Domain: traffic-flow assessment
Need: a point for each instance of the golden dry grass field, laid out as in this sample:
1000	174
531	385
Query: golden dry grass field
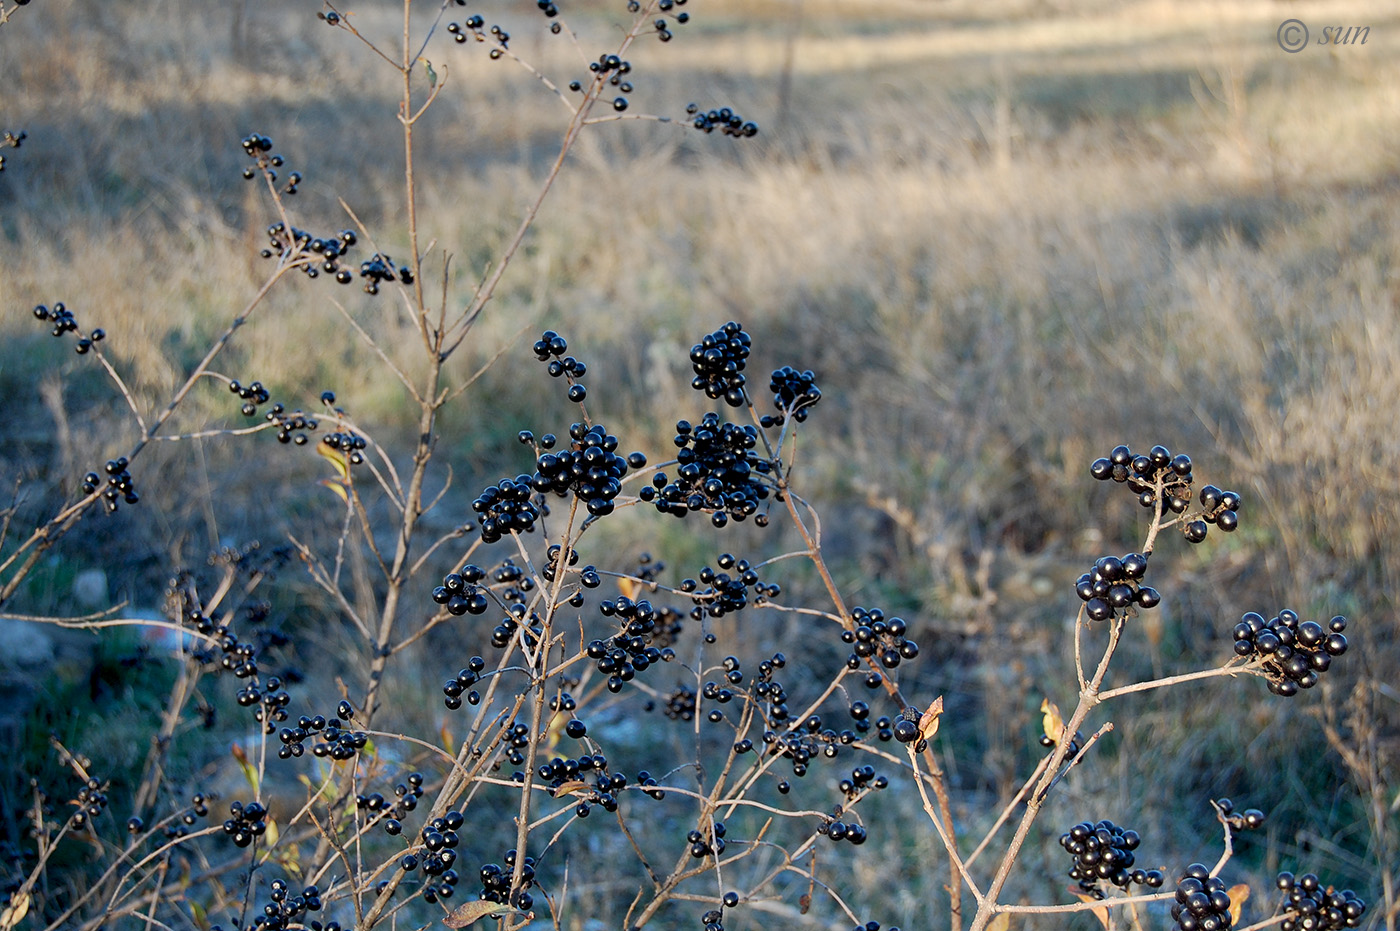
1006	236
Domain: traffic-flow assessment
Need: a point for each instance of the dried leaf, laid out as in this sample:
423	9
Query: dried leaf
335	486
554	731
445	738
576	787
629	588
250	772
928	723
1001	922
1050	721
14	912
1239	894
1100	913
469	912
336	458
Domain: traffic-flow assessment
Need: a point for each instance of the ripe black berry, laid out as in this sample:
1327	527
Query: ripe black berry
718	361
1293	653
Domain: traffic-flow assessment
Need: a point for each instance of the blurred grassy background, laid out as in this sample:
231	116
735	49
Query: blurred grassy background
1006	235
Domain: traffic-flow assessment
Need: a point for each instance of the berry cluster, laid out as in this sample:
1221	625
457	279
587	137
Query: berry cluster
681	704
630	650
663	28
610	68
119	484
439	841
406	796
506	507
861	779
1218	507
874	636
252	394
90	802
1312	907
872	926
1202	904
550	348
718	472
724	119
272	701
811	738
379	268
64	322
257	147
1251	819
286	910
476	25
794	394
461	592
726	593
504	633
12	139
291	427
1293	653
199	808
718	361
590	468
330	735
1143	474
465	679
1103	850
603	790
443	888
1159	474
707	843
348	442
495	882
245	822
1113	587
835	829
283	242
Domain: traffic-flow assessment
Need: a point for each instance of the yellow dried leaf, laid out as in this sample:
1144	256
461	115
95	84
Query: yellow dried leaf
1100	913
1001	922
445	738
1239	894
337	487
469	912
250	772
554	730
928	722
629	588
14	912
339	460
576	787
1050	721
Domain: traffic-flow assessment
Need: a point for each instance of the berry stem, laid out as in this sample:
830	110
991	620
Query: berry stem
1088	698
1227	670
940	788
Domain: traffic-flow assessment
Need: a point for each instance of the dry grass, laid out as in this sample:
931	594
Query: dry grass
1006	237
